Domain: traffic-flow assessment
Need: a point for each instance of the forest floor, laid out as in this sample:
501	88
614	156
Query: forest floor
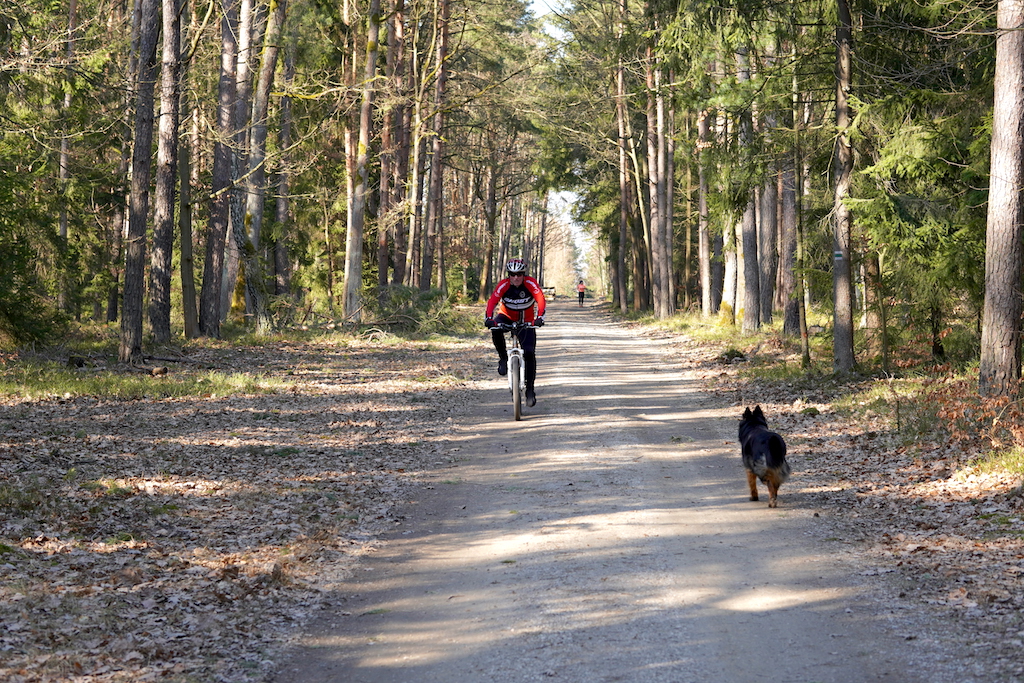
190	539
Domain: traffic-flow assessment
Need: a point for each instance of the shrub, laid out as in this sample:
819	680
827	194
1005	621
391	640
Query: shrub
26	317
409	310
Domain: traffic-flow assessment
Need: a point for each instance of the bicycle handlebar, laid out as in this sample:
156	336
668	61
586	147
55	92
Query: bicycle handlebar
513	327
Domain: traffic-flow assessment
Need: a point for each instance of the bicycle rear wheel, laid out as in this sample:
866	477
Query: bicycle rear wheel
515	372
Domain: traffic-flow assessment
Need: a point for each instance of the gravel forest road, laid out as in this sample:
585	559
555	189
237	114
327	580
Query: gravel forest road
608	536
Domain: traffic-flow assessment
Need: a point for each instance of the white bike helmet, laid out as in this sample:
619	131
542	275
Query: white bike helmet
516	266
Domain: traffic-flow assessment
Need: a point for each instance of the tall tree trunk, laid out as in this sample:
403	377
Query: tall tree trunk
720	238
63	160
328	251
390	242
625	194
542	231
282	210
751	266
640	227
801	288
119	219
166	176
768	208
403	121
248	233
239	158
65	139
655	185
690	195
115	266
386	205
354	241
785	298
213	267
639	223
749	271
188	176
130	348
441	267
415	194
875	307
668	155
799	177
661	226
1000	368
874	297
435	198
707	307
491	220
641	261
842	277
186	170
730	279
787	250
767	244
687	281
717	269
257	174
506	237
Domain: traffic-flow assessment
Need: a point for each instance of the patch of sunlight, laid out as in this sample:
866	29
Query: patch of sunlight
771	598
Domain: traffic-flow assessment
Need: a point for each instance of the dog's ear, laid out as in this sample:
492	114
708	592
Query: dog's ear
757	412
747	414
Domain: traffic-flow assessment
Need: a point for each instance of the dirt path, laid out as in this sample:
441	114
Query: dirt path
606	537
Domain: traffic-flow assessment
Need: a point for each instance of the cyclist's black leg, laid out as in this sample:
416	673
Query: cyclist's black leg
499	344
528	339
531	378
498	337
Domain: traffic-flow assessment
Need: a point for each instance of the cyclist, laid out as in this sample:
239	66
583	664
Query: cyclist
582	289
517	298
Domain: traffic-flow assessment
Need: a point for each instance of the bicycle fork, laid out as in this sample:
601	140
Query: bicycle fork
516	359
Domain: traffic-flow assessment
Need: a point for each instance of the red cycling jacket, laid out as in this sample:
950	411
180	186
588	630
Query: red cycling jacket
517	303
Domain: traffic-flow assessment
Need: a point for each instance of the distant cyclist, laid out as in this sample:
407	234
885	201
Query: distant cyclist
582	289
517	298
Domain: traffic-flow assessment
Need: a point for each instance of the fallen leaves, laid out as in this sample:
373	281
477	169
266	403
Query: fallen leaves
184	538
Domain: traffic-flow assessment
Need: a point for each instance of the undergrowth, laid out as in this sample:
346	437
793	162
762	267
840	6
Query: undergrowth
946	409
925	403
39	380
84	362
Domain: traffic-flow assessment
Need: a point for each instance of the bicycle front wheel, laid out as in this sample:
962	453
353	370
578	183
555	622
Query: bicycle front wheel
515	373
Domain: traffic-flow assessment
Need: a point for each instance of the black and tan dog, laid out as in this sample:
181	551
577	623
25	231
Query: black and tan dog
764	454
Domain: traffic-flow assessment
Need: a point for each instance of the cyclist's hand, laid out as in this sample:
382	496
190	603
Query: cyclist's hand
539	322
488	322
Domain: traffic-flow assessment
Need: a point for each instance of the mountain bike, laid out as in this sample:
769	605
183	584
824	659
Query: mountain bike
516	366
